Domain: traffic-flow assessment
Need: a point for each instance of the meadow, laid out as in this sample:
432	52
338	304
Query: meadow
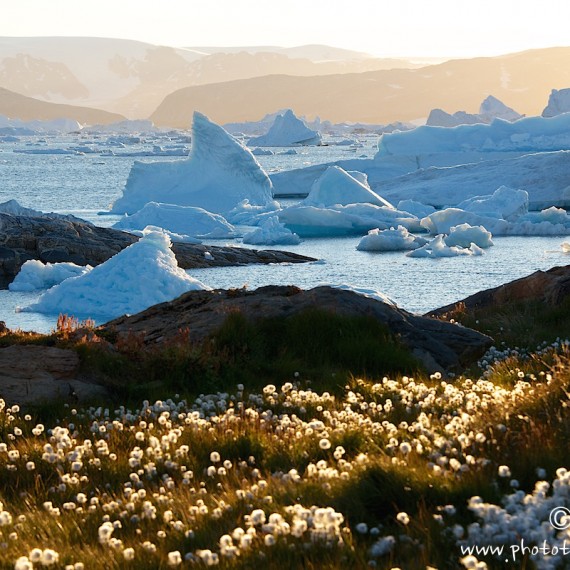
313	467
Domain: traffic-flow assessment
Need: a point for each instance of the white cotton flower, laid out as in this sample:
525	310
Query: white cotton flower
49	557
174	558
504	471
215	457
23	563
129	554
257	517
403	518
324	443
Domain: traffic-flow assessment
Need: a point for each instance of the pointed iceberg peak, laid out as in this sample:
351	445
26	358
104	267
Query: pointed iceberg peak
336	186
287	130
492	108
218	174
558	103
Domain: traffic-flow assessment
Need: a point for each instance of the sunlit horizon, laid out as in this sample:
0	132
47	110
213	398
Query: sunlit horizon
411	29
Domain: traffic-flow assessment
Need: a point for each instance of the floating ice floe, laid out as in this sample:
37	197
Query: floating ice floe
35	275
218	174
398	239
551	221
464	235
182	220
13	208
271	232
143	274
287	130
438	248
352	219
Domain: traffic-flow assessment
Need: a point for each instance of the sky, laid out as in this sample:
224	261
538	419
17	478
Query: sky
412	28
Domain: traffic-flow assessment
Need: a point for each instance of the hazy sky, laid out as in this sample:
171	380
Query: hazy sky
381	27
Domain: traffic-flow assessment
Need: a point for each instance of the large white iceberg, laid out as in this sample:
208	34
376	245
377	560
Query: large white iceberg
183	220
218	174
143	274
337	186
271	232
287	130
393	239
558	103
35	275
544	176
484	157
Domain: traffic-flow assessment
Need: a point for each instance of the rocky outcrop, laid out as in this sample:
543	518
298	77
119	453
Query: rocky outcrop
54	240
550	287
39	374
439	345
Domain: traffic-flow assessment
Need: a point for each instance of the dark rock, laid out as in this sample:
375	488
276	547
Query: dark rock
438	344
36	374
550	287
55	240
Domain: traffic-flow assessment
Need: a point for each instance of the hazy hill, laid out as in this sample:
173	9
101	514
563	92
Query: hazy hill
522	81
16	106
132	78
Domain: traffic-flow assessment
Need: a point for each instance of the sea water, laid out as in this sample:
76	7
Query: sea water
85	184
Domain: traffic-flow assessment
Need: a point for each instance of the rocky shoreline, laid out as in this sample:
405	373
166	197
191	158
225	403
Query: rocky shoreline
56	240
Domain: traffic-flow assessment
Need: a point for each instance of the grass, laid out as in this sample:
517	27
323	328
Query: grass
322	348
522	323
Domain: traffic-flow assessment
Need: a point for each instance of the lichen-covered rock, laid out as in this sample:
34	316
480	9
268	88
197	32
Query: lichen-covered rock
438	345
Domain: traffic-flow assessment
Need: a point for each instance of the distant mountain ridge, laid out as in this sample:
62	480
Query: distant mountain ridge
522	81
132	78
17	106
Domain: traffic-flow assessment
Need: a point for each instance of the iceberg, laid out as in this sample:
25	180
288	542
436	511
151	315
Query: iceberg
438	248
218	174
143	274
35	275
415	208
444	166
552	221
464	235
352	219
491	108
505	203
182	220
337	186
544	176
398	239
271	232
287	130
13	208
558	103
